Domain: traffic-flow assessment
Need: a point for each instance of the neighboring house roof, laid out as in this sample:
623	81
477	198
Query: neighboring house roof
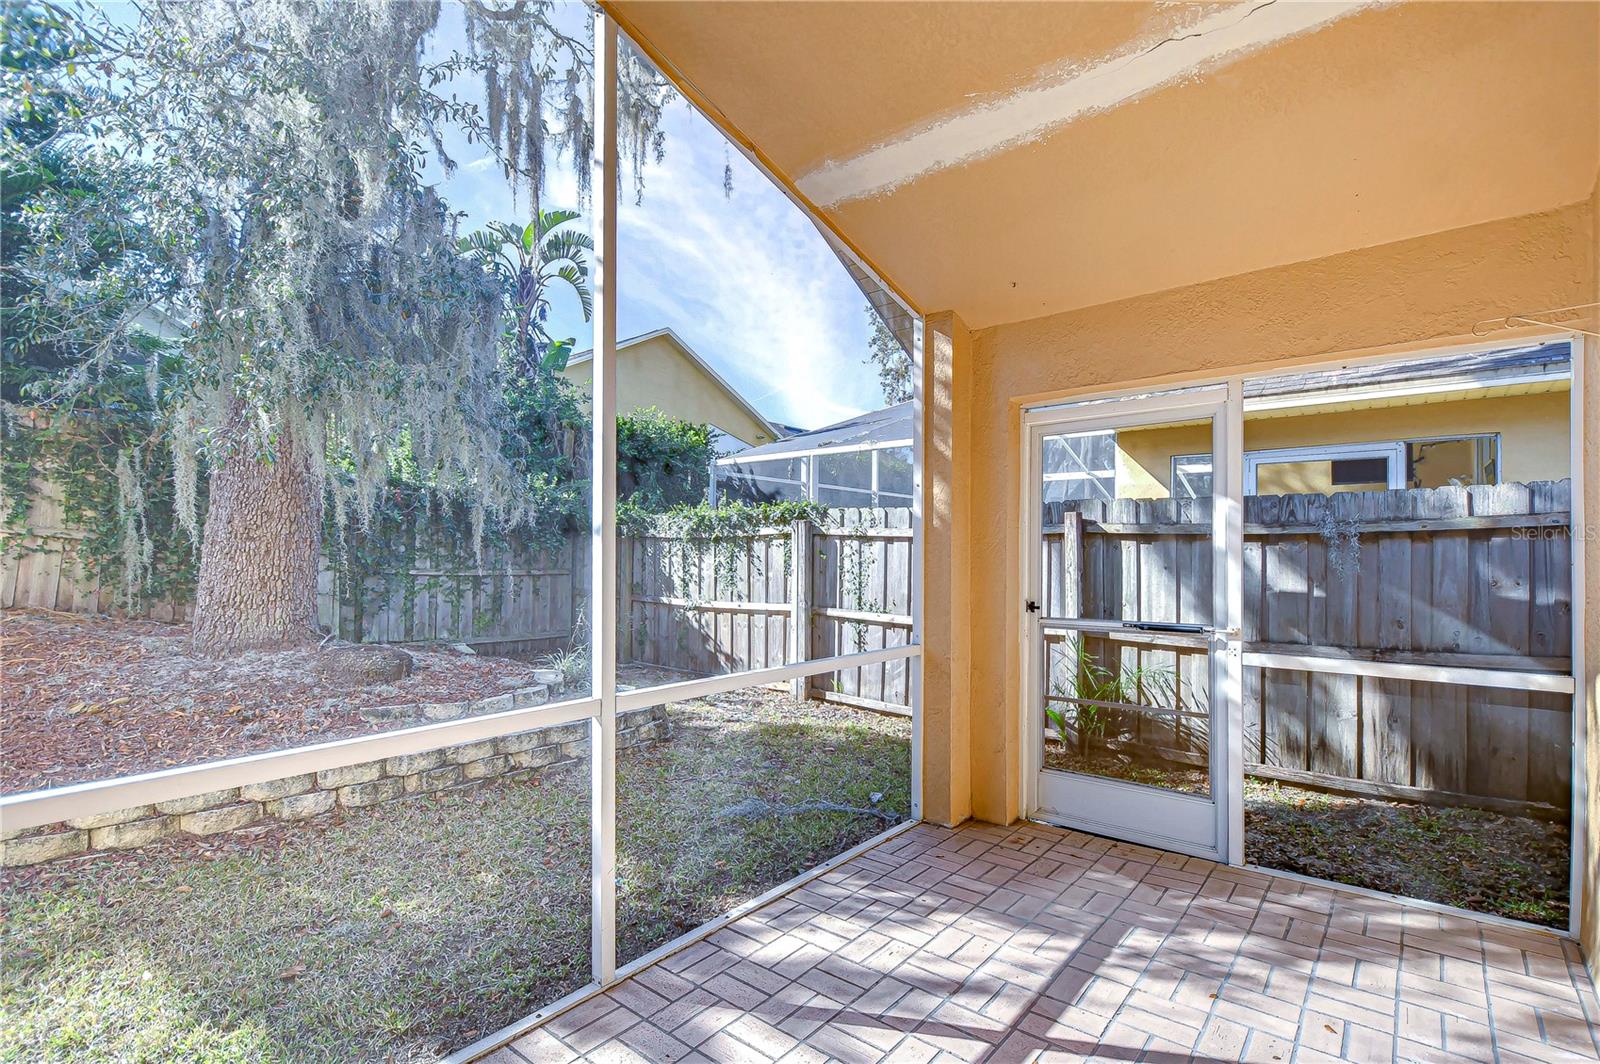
587	355
1509	366
889	427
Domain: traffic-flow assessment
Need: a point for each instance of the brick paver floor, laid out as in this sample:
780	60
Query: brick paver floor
1033	943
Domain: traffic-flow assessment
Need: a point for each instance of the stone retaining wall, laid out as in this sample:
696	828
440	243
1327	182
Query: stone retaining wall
351	787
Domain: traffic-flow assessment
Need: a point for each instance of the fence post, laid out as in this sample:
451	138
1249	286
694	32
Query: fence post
800	601
625	600
1071	564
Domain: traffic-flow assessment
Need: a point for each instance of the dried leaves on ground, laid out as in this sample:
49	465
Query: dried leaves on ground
88	697
1488	862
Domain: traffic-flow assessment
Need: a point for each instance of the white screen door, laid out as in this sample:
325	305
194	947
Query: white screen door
1130	632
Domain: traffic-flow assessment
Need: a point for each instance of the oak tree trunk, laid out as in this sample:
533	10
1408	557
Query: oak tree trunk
259	553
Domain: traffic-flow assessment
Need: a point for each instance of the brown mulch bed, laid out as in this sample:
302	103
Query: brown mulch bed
1100	762
86	697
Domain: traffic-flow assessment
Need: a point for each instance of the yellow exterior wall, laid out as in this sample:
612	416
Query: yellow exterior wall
947	737
1532	428
656	372
1409	295
1588	701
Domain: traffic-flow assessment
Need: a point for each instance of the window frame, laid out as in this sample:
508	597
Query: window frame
1311	453
1394	452
1190	459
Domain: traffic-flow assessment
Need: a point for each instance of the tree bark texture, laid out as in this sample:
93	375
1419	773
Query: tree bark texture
259	553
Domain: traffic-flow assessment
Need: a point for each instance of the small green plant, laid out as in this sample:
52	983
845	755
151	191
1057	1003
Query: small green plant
572	663
1084	678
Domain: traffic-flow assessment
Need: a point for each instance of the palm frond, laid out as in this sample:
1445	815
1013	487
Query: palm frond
550	219
566	244
580	284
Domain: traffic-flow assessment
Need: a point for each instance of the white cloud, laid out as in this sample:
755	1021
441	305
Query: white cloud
746	280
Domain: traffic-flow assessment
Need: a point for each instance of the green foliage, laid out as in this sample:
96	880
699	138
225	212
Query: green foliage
662	461
250	179
892	360
729	520
1084	676
548	440
528	260
84	435
309	272
78	449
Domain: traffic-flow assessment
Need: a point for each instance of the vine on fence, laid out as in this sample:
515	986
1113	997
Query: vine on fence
113	472
856	578
690	527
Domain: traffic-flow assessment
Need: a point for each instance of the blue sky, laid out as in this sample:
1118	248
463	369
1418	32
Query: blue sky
745	280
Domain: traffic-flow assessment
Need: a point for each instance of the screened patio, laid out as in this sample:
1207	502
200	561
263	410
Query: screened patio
1089	361
862	461
1034	943
1202	664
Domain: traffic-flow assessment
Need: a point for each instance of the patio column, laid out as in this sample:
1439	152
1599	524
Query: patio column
1586	435
946	638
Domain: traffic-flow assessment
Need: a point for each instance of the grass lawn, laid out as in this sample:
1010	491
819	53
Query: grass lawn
410	929
1514	866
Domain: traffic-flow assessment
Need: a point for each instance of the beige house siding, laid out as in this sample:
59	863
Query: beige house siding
657	370
1532	428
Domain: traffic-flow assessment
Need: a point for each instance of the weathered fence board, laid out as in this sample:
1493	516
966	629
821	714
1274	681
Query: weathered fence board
718	605
1471	577
526	598
44	569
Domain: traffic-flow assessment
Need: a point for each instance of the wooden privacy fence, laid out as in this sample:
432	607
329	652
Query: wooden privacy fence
44	568
777	596
520	600
1474	577
704	606
517	600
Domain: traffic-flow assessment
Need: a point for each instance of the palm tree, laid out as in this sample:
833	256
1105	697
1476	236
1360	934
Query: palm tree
528	260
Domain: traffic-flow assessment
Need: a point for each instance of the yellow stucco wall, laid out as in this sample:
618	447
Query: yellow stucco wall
1532	428
1412	295
947	574
1589	870
656	372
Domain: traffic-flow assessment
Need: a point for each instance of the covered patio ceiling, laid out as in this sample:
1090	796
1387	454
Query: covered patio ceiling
1012	160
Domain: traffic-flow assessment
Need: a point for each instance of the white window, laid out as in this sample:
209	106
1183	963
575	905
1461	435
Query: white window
1325	469
1191	476
1422	462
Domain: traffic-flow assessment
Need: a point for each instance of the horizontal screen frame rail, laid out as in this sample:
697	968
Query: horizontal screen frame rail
32	809
1505	679
646	697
